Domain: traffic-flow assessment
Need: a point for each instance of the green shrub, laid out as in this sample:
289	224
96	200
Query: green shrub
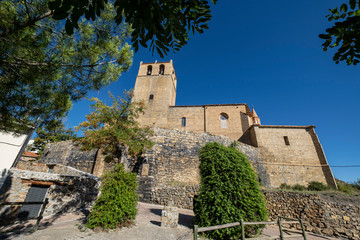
298	187
116	206
345	187
356	184
317	186
229	192
349	188
285	186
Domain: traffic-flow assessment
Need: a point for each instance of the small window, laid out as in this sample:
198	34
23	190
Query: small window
286	139
149	70
223	120
151	97
162	69
183	122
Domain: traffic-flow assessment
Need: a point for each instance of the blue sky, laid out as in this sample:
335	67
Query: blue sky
266	54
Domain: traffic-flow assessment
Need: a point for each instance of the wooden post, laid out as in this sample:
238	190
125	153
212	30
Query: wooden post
41	214
195	232
242	229
302	228
280	229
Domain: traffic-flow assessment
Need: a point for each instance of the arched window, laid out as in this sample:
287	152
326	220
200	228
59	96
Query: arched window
162	69
149	70
183	122
151	97
223	120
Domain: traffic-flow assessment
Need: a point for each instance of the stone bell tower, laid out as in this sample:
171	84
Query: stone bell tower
156	86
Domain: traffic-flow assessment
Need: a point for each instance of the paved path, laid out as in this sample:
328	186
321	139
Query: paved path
147	226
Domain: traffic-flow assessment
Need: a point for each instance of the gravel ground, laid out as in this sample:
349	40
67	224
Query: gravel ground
147	226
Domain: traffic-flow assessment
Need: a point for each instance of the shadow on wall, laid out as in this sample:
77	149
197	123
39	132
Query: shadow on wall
185	220
8	214
76	194
4	195
25	228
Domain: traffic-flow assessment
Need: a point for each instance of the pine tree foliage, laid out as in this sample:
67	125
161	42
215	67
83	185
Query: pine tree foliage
54	132
229	191
43	69
116	205
112	127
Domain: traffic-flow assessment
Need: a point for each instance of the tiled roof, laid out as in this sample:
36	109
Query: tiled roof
30	154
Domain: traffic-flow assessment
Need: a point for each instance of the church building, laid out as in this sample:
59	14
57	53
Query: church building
296	146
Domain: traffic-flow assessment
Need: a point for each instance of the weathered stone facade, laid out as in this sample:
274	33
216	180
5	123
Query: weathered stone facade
172	172
69	191
301	157
68	153
319	216
174	159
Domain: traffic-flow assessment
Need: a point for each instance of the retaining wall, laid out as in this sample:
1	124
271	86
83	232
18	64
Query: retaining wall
320	216
66	193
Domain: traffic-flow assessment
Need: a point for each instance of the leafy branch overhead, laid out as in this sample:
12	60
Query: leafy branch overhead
163	24
345	33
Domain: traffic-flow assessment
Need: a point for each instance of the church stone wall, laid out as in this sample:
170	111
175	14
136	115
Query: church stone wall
162	88
158	91
194	118
236	124
156	108
296	162
172	172
207	119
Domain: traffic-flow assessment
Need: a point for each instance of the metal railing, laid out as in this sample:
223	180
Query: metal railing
39	217
242	224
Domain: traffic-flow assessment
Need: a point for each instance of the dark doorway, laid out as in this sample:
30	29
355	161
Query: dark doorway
36	193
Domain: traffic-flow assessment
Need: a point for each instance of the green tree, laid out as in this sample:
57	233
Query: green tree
165	23
229	191
113	127
345	33
116	206
43	69
53	132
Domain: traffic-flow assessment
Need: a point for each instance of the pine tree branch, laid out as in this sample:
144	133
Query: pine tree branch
23	62
28	23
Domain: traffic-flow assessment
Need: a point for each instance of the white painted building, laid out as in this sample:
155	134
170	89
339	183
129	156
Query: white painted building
11	148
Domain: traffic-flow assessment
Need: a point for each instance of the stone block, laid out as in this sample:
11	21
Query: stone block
145	169
169	217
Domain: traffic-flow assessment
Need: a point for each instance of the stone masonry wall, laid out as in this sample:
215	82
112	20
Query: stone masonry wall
68	153
66	193
298	162
173	163
49	168
320	216
174	160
